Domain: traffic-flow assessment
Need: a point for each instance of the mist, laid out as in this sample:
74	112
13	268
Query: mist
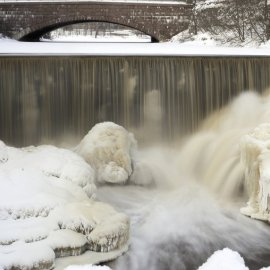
187	204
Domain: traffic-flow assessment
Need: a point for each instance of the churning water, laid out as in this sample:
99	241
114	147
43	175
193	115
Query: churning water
189	113
194	208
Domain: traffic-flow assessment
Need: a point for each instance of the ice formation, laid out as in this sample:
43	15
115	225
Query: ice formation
109	148
224	260
47	209
62	177
255	157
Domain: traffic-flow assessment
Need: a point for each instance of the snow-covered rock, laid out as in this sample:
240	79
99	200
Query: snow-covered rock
104	228
225	259
20	255
34	180
109	148
255	157
47	209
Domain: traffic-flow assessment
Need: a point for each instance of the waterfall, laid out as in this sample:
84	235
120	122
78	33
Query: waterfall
42	99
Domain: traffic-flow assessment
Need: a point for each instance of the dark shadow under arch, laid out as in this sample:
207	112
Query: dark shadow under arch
37	34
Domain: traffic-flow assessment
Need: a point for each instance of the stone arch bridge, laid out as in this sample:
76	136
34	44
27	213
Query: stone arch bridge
28	21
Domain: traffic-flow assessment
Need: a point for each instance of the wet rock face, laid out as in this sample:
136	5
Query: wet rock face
47	209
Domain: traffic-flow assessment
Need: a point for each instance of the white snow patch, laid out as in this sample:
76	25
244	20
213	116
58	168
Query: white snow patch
202	39
89	257
223	260
87	267
208	4
35	180
26	256
115	36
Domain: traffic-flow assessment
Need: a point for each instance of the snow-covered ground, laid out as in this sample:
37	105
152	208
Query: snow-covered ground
11	47
47	207
206	39
92	34
224	260
80	38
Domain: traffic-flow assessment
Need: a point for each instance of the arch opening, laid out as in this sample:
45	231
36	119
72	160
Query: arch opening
89	31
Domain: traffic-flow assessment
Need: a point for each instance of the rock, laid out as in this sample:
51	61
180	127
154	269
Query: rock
109	148
47	209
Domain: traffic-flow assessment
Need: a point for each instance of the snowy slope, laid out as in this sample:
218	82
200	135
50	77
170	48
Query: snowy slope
47	209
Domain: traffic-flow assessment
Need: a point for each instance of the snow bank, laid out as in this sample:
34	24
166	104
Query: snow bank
201	39
255	157
12	47
26	256
208	4
47	209
34	180
109	148
224	260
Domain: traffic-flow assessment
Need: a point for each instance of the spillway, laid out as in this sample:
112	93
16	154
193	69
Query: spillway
43	98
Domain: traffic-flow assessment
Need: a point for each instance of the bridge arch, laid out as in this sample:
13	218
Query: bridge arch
35	32
29	20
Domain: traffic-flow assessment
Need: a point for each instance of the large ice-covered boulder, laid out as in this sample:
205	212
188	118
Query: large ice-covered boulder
109	148
255	157
47	209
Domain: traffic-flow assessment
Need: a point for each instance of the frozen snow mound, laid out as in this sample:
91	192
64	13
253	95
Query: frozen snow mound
225	259
255	157
109	148
36	179
47	209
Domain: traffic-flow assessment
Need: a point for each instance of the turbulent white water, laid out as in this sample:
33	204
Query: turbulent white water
193	207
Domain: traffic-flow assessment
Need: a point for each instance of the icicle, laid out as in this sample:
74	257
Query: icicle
255	156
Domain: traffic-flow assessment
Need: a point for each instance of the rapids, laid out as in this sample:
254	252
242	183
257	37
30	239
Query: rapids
193	208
